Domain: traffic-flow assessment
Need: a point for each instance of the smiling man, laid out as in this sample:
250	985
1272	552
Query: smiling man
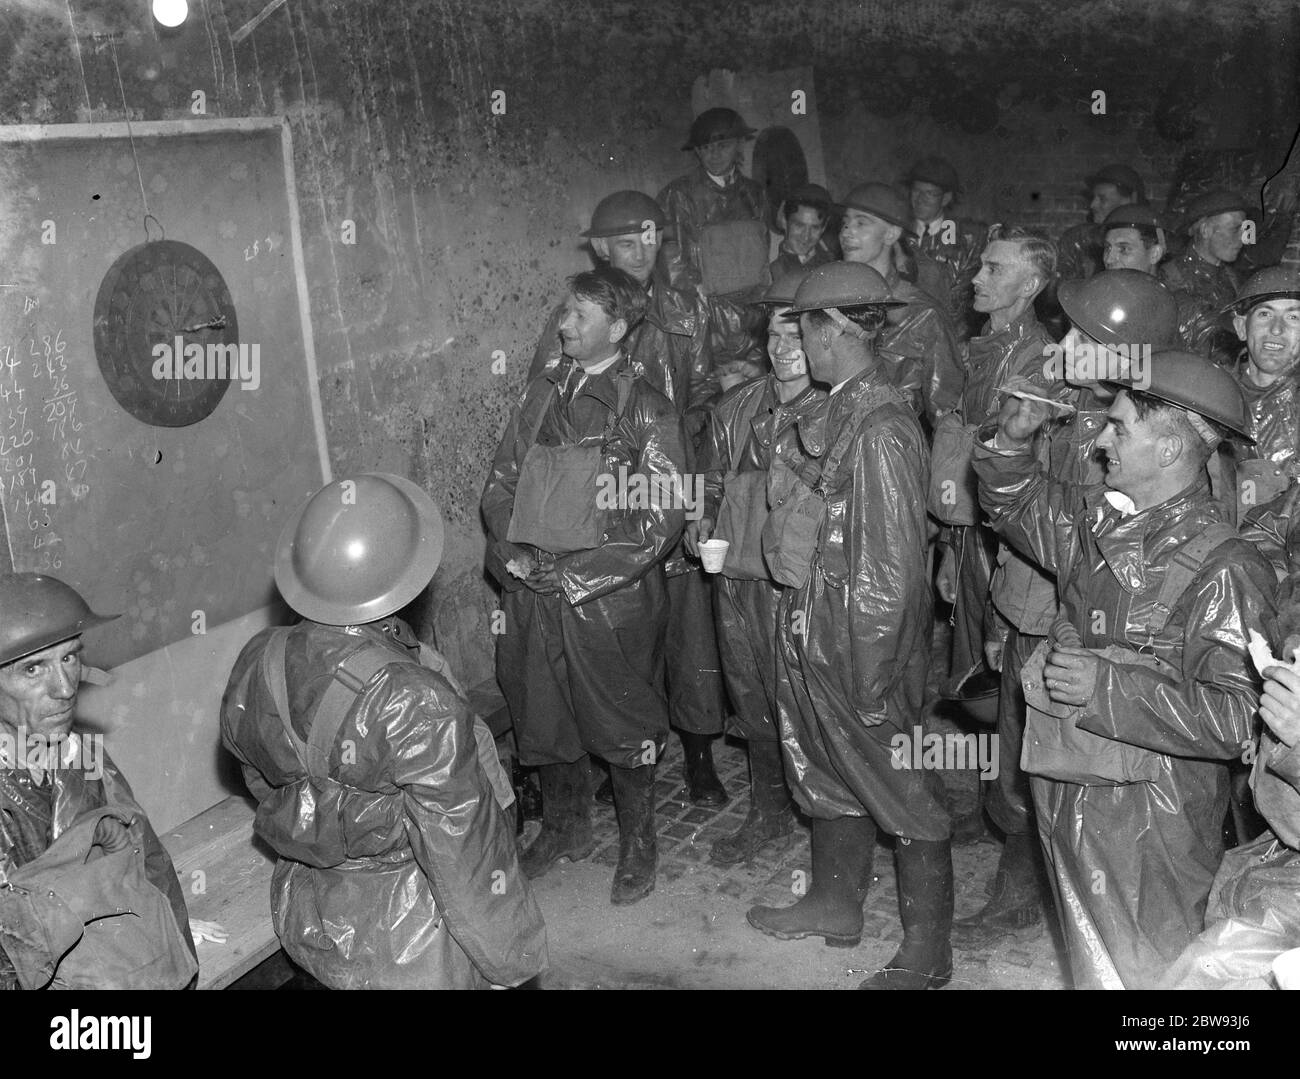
1133	239
805	213
1144	690
51	780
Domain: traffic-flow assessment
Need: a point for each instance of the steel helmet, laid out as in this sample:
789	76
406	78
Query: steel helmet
842	284
1194	383
1119	307
1274	283
359	549
624	212
882	201
782	293
37	611
934	170
1213	203
714	125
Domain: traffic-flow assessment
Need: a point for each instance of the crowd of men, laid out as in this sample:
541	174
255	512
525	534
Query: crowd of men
1057	438
1086	448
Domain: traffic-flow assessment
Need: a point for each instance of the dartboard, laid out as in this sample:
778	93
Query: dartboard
163	293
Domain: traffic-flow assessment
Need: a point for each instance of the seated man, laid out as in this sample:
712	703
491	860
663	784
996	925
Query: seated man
53	784
377	787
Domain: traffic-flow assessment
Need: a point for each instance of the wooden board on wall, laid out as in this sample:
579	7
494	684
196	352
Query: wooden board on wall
155	522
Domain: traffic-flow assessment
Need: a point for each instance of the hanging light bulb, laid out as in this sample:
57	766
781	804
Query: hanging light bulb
171	13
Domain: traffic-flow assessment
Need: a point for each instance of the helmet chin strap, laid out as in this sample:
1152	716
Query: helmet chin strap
1208	434
841	320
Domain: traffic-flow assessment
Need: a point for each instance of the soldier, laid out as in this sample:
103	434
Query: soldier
1080	246
671	346
754	425
1202	277
922	355
1133	239
1144	688
581	659
853	642
1266	316
932	187
805	213
716	215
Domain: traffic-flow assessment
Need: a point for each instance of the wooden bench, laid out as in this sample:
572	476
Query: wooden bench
234	889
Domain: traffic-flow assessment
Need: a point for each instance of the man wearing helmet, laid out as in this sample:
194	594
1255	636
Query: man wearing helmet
1080	246
717	216
918	343
377	787
1144	689
584	596
53	780
854	637
672	348
753	425
1132	239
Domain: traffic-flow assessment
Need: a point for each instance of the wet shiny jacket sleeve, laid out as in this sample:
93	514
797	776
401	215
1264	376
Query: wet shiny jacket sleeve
498	502
458	833
649	440
548	352
1208	708
1268	528
1025	507
885	543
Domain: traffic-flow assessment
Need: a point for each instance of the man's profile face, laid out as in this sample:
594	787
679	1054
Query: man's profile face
1105	197
39	692
718	156
803	229
586	332
1271	330
1125	250
864	236
1003	278
1221	235
928	200
820	357
634	252
1128	445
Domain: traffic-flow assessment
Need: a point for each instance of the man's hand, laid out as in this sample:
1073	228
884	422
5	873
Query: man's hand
1279	705
696	533
1018	421
1071	674
210	931
993	654
112	835
946	581
545	582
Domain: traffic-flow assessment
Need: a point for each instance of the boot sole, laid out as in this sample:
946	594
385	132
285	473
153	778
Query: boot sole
628	900
567	856
831	940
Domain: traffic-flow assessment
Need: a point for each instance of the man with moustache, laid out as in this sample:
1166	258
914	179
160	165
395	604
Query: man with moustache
853	644
918	344
1144	688
584	597
753	425
672	347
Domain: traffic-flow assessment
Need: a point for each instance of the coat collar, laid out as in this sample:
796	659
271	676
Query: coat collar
1123	537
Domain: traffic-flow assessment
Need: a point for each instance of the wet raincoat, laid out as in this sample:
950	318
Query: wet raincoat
1133	863
1203	291
692	203
33	816
961	260
748	430
398	870
925	363
1270	464
854	642
582	670
1079	252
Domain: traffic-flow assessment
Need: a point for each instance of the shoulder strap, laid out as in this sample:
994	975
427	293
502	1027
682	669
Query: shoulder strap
350	678
836	455
1183	568
273	668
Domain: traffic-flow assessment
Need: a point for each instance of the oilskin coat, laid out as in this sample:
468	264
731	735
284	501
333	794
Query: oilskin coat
1203	291
692	202
1133	863
32	816
925	362
582	671
750	429
961	261
854	642
399	870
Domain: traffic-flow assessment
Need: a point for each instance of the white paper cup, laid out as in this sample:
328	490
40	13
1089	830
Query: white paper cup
713	553
1286	969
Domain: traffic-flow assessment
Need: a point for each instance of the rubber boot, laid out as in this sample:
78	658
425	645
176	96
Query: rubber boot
638	854
605	792
970	826
771	813
925	895
1016	908
566	819
842	850
703	787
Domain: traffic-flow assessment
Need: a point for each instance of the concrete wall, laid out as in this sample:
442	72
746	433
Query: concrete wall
467	222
